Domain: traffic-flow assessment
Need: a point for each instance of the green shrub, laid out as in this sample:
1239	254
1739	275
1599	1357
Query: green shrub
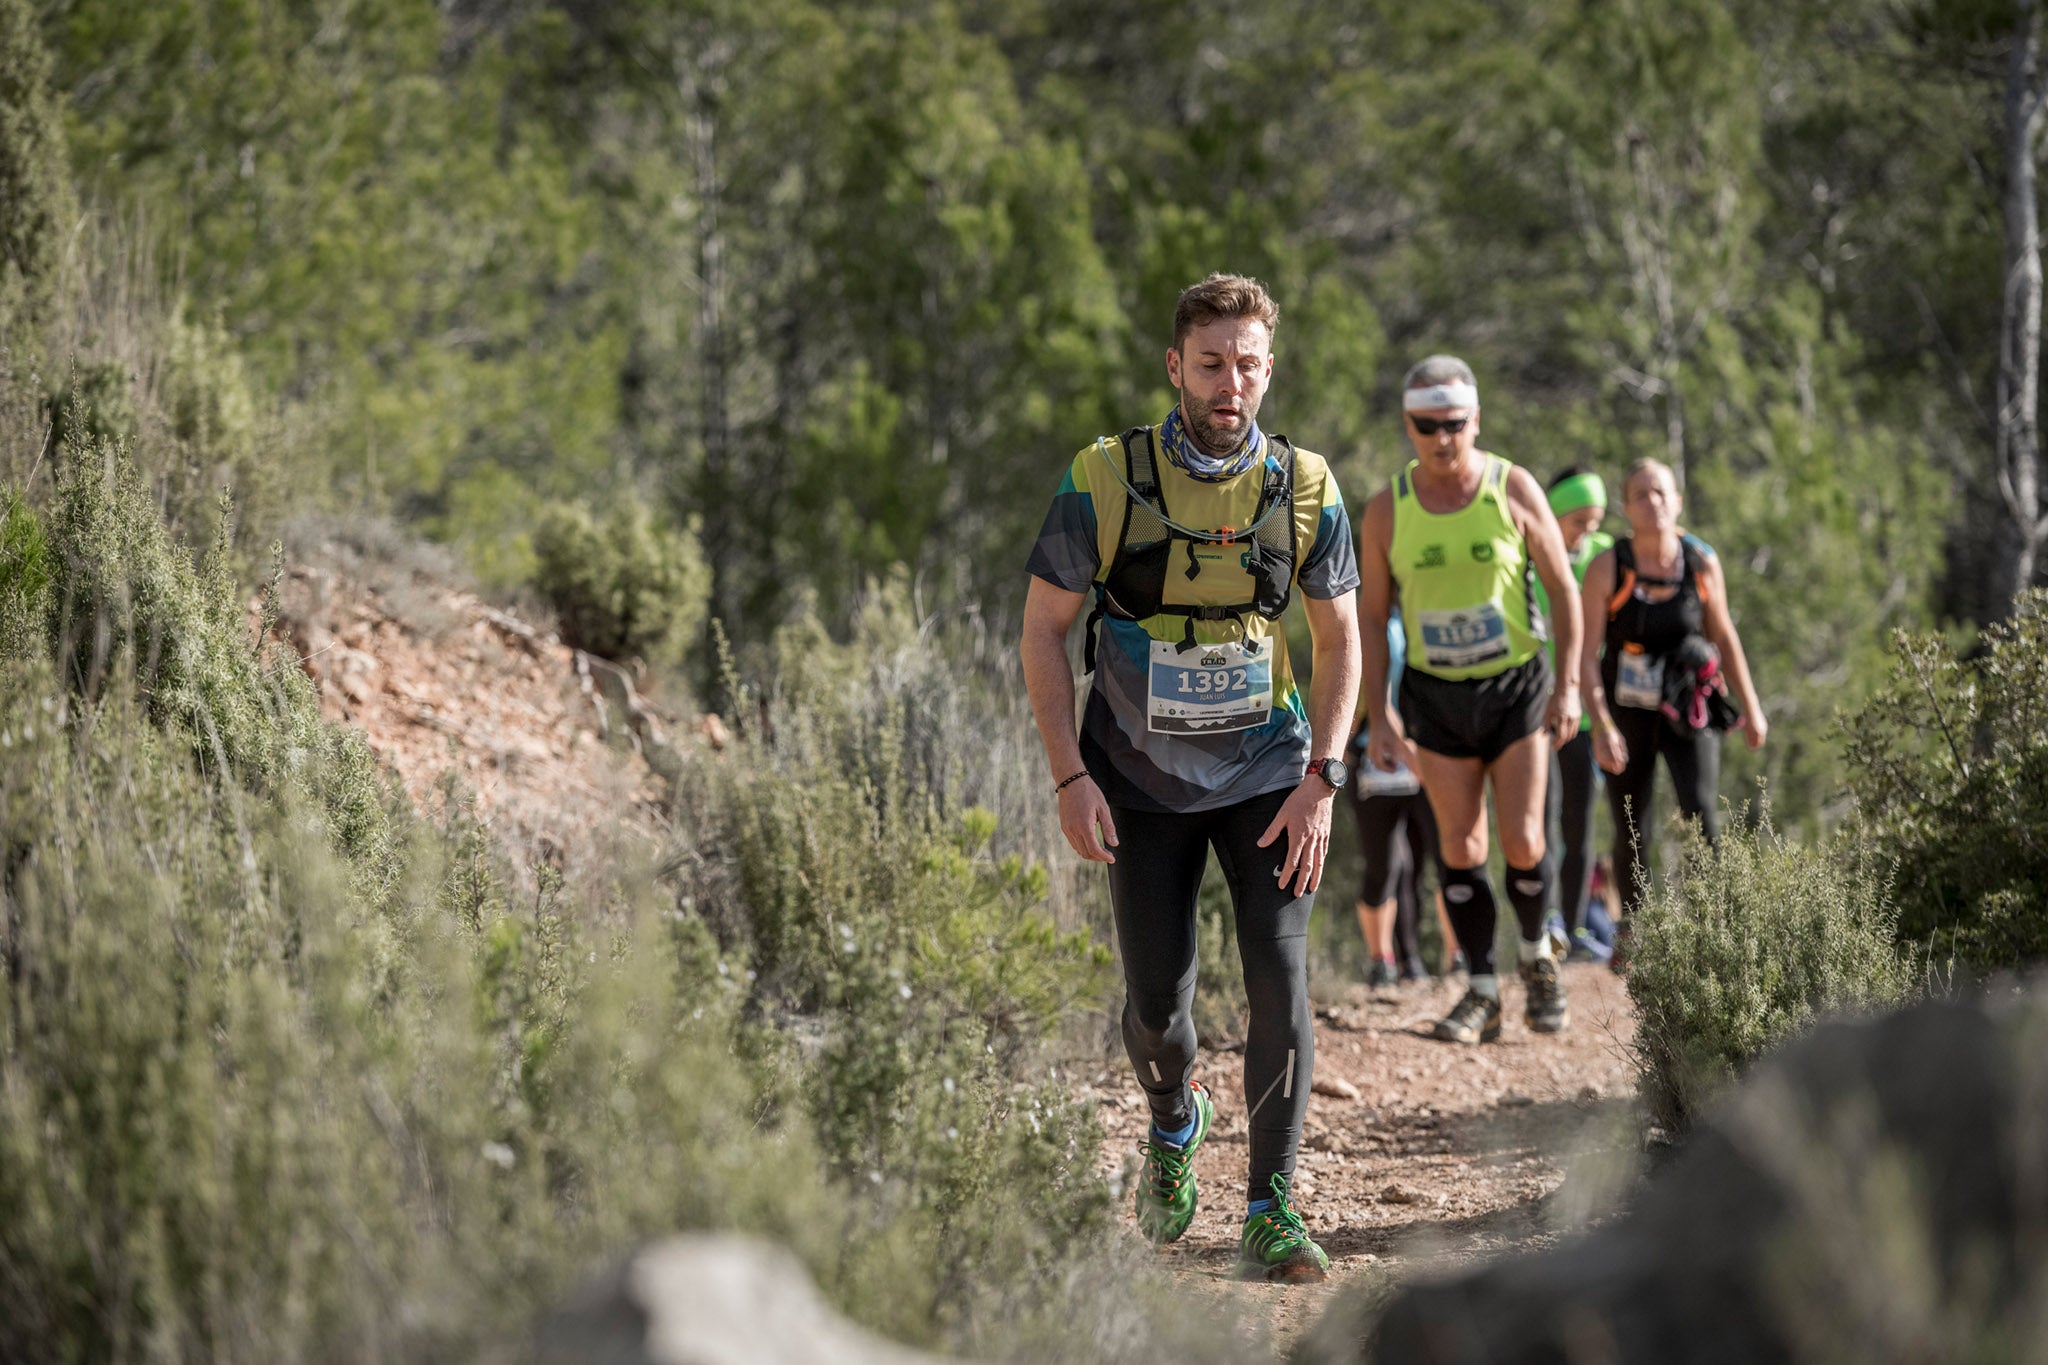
904	938
24	579
207	433
285	1075
1949	766
127	607
913	982
245	1115
36	202
185	415
96	406
626	587
1747	946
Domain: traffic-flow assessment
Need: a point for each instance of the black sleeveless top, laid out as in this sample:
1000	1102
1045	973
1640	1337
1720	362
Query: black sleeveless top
1635	625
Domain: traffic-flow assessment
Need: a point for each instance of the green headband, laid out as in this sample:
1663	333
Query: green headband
1580	490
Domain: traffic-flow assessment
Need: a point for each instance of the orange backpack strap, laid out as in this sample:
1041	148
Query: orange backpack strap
1696	565
1625	582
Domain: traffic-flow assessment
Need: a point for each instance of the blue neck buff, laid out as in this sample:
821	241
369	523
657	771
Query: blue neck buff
1196	463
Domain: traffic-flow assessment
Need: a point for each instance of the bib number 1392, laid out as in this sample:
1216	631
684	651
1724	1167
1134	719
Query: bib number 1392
1209	688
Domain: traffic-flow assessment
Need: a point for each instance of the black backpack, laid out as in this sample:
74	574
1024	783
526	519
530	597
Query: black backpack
1135	587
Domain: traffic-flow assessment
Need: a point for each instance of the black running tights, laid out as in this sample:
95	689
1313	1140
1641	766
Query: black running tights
1569	825
1158	870
1694	762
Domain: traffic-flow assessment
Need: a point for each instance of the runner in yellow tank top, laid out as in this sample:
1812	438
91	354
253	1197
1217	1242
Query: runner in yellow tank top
1454	542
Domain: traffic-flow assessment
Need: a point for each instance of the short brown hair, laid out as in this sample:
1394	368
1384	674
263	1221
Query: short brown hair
1223	296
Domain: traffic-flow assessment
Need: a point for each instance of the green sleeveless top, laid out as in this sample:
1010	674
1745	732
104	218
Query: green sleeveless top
1464	581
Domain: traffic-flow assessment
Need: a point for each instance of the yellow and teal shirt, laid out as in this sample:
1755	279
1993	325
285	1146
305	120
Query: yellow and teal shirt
1181	730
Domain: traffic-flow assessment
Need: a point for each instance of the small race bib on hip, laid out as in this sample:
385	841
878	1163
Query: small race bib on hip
1639	682
1210	688
1370	781
1463	638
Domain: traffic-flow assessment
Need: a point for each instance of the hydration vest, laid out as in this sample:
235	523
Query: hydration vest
1135	587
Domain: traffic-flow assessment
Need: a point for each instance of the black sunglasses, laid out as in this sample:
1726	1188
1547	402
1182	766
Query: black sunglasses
1430	426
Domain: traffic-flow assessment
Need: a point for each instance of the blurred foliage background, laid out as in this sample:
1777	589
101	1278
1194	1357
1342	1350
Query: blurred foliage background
751	340
836	288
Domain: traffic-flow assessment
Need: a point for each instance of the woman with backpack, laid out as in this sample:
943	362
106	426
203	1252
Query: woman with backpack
1658	677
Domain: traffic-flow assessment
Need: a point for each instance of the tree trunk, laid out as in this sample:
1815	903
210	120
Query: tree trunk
2019	352
699	84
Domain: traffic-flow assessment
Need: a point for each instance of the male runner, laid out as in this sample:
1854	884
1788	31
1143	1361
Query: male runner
1193	536
1455	539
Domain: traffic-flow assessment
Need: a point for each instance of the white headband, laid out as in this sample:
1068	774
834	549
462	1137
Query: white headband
1454	395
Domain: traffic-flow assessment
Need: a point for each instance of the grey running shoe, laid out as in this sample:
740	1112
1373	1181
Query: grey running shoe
1560	940
1546	1010
1474	1019
1587	947
1381	973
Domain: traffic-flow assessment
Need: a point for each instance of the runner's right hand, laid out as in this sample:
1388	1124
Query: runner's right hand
1082	811
1388	748
1610	750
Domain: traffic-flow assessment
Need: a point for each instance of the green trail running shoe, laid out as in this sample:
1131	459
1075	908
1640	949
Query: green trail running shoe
1474	1019
1276	1245
1166	1187
1545	1009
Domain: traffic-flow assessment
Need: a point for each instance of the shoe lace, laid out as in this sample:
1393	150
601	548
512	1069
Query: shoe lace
1543	982
1473	1009
1280	1228
1165	1167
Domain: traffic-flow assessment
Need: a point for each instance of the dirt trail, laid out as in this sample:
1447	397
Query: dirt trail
1448	1153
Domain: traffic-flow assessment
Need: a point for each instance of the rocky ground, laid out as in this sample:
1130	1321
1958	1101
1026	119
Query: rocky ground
1444	1154
548	745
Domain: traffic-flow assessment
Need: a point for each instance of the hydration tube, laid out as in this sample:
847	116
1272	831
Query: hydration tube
1206	537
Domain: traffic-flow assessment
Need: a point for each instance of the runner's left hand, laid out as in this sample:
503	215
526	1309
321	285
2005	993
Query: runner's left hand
1306	819
1561	717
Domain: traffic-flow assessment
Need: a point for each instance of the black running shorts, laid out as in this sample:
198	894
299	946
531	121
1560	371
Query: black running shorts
1478	718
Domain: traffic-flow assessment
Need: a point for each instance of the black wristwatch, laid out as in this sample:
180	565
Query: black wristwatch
1332	771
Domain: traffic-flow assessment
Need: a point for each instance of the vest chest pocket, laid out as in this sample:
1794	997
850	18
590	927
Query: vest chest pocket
1210	688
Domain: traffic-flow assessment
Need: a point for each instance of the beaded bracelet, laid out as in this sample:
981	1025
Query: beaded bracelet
1070	781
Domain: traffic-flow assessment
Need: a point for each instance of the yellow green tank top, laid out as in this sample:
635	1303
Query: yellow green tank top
1464	581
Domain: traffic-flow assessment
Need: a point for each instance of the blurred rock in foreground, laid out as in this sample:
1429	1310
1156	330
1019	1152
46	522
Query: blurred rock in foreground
1878	1191
709	1301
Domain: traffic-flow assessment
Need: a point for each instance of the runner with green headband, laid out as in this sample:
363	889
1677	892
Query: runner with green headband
1578	498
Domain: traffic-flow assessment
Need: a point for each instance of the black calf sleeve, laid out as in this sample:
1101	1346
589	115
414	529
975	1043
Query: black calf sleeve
1529	893
1468	900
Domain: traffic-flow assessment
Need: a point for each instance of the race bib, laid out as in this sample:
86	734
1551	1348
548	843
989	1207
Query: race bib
1370	781
1639	682
1209	688
1463	638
